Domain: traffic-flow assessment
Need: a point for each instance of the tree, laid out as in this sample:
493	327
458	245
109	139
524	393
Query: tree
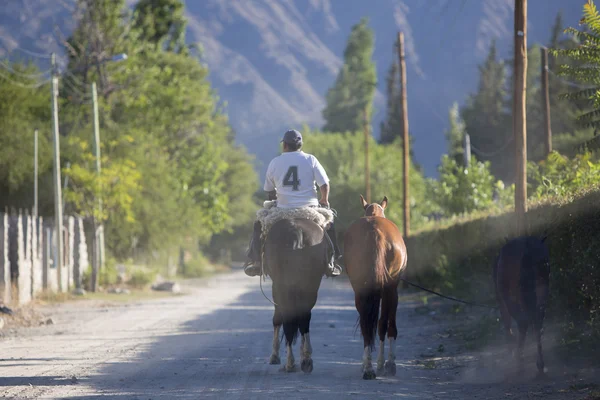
455	136
578	61
101	32
24	107
486	120
342	157
171	172
354	87
162	23
463	190
392	127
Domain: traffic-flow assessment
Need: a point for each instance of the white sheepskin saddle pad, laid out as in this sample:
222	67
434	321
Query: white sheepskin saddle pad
270	214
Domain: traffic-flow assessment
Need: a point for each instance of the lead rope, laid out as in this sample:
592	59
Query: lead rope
448	297
262	271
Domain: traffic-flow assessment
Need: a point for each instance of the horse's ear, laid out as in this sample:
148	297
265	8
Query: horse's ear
363	201
384	202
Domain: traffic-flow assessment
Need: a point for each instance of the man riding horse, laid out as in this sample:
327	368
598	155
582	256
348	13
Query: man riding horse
291	181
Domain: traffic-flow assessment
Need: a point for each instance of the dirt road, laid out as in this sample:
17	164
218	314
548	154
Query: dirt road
215	343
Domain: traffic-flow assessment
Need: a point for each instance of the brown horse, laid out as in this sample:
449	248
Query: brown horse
374	256
521	280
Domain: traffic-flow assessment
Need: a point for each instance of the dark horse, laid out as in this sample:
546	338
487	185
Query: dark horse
375	256
295	256
521	280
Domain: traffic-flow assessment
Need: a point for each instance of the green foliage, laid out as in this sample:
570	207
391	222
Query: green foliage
354	88
161	23
486	120
141	278
23	108
560	176
455	136
342	156
586	58
170	169
463	190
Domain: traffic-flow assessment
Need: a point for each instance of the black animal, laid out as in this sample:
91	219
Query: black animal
522	282
295	257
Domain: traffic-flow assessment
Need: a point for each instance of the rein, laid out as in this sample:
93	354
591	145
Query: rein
262	273
448	297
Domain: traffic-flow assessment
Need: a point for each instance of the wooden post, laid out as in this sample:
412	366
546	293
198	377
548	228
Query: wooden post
367	171
405	139
546	102
58	216
520	114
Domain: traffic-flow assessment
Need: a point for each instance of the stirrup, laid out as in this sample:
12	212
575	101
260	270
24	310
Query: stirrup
333	269
251	269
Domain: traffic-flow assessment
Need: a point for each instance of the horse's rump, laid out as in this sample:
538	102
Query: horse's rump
294	246
520	275
374	253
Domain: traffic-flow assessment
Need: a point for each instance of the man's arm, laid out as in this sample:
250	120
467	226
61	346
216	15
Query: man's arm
324	194
322	180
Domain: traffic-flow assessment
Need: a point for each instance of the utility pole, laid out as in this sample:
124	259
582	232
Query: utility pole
58	217
467	151
405	139
35	175
367	171
99	230
520	113
546	102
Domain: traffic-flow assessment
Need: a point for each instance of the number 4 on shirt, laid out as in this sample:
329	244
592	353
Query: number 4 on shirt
291	178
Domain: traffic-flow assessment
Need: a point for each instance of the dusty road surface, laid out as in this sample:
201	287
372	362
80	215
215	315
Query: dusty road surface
215	343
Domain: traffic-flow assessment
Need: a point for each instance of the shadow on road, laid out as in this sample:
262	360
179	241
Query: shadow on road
224	355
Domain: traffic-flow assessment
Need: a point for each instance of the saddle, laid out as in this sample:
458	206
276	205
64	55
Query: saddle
270	214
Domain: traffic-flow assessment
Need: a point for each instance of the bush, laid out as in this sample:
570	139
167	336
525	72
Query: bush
140	278
458	261
197	267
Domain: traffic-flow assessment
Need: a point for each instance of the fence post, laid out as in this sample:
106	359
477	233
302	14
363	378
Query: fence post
5	283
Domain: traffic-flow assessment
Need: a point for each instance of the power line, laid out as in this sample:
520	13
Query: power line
33	53
495	153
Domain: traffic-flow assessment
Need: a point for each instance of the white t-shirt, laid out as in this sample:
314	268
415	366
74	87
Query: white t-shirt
293	175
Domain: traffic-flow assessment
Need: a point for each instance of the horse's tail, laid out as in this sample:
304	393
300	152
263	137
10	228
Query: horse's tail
291	314
380	250
369	315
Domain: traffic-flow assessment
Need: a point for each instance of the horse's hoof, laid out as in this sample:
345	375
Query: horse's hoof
380	368
390	368
290	368
274	360
307	365
369	375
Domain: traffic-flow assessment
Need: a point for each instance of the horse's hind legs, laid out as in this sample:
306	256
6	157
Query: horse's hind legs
290	365
275	355
305	347
391	298
382	330
368	372
523	325
306	350
274	360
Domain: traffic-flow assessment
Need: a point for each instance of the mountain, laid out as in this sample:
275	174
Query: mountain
272	61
